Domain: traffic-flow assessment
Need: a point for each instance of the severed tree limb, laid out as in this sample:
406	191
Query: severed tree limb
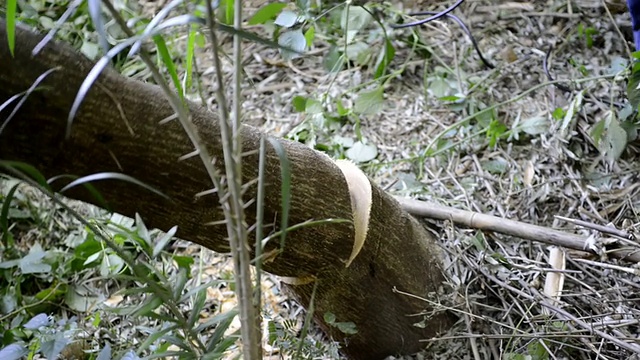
124	126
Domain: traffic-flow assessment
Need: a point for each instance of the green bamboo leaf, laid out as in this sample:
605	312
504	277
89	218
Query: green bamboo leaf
163	241
7	238
19	168
111	176
385	59
11	24
191	45
198	305
163	51
285	196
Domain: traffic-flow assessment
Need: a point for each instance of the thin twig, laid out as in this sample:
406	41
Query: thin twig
603	229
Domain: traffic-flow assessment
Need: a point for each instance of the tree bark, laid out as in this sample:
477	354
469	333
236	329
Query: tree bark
398	253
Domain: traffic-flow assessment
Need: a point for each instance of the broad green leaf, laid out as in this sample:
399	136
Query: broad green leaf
293	40
633	87
497	166
313	107
348	328
618	65
37	322
615	139
33	262
183	261
340	109
535	125
597	131
333	61
13	351
354	18
360	152
329	318
267	12
299	103
111	265
286	18
558	114
309	35
495	131
79	299
53	347
438	87
355	50
369	102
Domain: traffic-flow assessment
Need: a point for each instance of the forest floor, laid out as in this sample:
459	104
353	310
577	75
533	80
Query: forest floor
545	131
538	154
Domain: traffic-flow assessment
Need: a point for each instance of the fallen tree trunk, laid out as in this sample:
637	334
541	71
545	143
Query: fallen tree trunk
117	130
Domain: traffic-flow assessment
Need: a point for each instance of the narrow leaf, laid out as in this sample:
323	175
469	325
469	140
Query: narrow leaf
285	196
164	240
11	25
163	51
111	176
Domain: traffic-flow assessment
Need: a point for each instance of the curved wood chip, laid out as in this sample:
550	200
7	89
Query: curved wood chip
361	199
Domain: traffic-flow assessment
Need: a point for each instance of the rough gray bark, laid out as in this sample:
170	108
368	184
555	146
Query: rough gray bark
399	252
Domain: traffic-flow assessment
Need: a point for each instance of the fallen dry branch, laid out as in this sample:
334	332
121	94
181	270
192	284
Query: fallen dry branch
516	228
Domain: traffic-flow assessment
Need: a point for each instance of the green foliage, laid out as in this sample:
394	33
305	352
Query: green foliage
320	128
345	327
40	277
587	33
284	335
